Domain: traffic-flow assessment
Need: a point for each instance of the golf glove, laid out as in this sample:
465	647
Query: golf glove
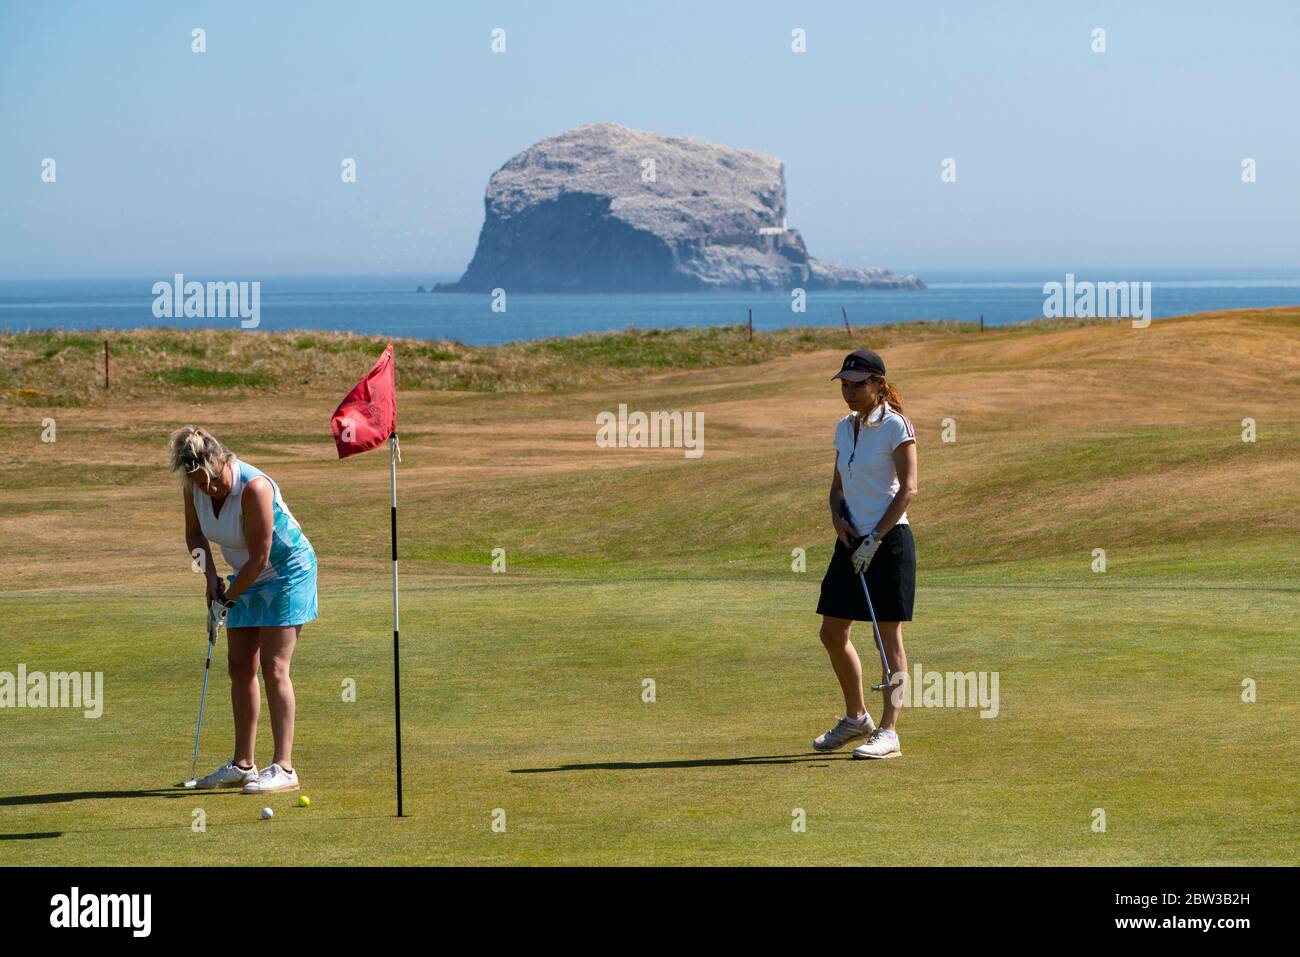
217	612
861	558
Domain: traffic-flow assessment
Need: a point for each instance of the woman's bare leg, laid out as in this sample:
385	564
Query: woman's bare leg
277	646
245	696
844	659
891	635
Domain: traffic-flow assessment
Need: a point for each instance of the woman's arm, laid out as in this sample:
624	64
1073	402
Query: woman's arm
259	520
195	540
905	466
844	530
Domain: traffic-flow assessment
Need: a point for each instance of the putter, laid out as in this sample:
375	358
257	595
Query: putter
875	628
880	645
213	626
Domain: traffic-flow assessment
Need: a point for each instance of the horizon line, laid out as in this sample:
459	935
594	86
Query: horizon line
1284	269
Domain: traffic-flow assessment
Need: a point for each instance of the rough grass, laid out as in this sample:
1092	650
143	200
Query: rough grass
67	368
200	378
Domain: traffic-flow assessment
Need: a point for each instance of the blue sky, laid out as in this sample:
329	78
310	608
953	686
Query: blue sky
227	162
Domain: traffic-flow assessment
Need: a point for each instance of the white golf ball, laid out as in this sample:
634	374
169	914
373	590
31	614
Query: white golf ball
267	814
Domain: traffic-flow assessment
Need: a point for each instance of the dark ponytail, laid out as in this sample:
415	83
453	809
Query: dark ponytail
887	393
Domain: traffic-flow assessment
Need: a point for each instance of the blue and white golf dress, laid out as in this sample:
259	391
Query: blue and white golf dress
285	593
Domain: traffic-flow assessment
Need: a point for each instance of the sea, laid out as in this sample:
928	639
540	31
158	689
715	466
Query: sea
390	305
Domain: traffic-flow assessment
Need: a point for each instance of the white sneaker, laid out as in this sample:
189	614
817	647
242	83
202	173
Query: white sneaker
227	776
274	778
845	730
882	744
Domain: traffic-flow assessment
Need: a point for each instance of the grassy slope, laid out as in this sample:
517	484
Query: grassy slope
521	691
54	368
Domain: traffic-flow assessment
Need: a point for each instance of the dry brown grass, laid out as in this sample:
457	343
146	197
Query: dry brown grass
55	369
1101	427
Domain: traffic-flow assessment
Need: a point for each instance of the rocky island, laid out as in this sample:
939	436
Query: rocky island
602	208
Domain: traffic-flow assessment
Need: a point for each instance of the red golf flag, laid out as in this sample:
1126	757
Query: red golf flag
367	416
364	420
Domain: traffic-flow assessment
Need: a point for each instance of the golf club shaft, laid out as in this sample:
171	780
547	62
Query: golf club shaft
875	627
880	644
203	694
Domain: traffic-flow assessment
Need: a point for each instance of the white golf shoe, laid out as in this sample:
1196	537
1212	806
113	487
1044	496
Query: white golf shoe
881	744
274	778
845	730
227	776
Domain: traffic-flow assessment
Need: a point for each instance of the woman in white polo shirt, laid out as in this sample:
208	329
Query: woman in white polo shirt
873	482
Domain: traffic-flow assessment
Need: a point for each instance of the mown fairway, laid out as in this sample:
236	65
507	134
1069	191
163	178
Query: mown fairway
522	691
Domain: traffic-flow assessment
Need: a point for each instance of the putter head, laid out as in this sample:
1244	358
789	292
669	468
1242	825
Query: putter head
894	681
191	783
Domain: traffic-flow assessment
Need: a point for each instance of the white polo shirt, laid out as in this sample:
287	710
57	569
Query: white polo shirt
866	466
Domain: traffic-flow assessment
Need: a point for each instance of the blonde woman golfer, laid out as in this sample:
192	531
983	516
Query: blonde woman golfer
268	598
873	482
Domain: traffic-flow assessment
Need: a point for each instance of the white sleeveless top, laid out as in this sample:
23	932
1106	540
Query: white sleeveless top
227	528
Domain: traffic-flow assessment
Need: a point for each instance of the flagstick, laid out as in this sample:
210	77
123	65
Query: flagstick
397	673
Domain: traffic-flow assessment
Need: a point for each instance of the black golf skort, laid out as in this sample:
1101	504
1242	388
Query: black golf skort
891	579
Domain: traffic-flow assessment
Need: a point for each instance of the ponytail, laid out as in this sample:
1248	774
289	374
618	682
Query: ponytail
886	393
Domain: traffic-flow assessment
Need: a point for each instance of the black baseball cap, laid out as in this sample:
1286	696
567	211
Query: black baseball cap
860	366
